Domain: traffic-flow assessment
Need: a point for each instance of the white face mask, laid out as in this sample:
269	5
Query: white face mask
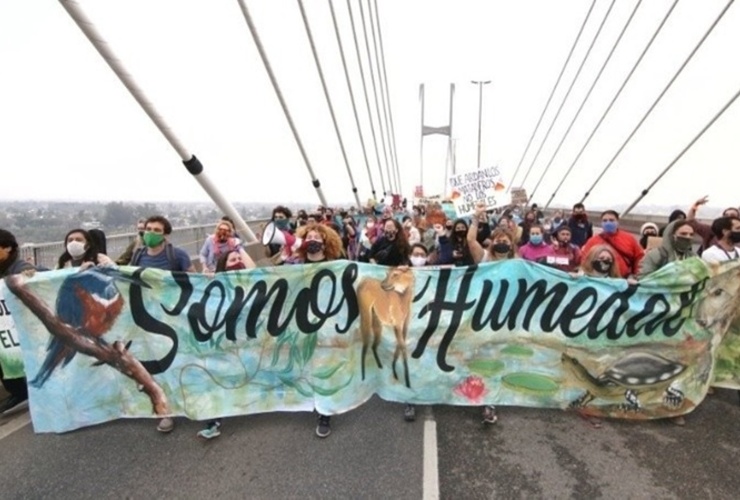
418	261
76	249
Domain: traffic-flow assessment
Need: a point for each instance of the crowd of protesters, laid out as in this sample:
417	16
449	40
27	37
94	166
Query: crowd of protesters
425	235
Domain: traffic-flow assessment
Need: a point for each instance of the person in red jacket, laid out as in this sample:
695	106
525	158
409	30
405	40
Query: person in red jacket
628	251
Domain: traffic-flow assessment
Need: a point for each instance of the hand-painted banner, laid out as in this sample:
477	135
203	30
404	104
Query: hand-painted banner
10	350
103	344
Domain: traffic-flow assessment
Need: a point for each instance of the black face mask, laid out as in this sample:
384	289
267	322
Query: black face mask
141	234
314	246
735	236
461	232
501	248
602	266
390	235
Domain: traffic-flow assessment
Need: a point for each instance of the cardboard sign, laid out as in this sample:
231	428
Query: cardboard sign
479	186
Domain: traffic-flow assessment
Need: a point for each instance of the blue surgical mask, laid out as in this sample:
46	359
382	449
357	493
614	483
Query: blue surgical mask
610	227
536	239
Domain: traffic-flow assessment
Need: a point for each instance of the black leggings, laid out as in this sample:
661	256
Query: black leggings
15	386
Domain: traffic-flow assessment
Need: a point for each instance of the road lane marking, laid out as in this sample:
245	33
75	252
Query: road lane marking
431	468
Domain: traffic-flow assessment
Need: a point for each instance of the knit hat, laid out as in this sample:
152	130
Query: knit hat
7	240
649	225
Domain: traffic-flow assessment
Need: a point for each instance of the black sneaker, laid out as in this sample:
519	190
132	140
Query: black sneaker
489	415
323	428
409	413
11	402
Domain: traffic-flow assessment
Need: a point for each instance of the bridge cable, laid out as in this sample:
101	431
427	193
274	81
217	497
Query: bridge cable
367	99
276	87
585	99
552	93
329	103
392	133
652	107
375	98
352	97
192	164
567	94
614	99
688	146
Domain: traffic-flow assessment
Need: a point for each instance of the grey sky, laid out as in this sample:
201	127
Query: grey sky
72	131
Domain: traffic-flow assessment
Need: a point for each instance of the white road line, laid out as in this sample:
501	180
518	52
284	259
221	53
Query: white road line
431	468
11	424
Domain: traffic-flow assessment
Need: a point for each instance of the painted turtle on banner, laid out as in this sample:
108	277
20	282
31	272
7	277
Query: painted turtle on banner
633	373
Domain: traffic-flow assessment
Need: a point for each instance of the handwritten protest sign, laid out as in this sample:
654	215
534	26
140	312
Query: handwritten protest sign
479	186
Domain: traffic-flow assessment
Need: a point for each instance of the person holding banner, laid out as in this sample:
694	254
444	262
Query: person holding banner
536	250
501	248
11	263
320	244
233	260
78	249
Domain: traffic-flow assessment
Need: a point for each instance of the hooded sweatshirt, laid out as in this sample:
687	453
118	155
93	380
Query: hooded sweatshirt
664	254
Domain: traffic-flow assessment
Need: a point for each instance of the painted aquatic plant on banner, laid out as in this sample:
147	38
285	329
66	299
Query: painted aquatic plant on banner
102	344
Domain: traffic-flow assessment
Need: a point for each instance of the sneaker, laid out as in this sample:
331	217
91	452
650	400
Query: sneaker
213	430
489	414
323	428
13	403
166	425
409	413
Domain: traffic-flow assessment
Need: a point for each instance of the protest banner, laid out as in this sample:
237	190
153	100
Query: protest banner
10	349
479	186
323	336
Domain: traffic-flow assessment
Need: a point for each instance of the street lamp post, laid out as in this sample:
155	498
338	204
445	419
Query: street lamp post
480	110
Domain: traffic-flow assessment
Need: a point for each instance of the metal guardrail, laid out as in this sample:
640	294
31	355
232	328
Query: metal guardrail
190	239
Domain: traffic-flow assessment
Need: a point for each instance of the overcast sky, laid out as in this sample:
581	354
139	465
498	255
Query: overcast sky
72	131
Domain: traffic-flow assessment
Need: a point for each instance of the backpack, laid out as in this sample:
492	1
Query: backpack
169	250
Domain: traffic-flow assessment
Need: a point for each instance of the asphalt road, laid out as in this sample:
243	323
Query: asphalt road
373	453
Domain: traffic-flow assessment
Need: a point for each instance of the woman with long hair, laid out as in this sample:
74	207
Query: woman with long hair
233	260
320	244
391	249
78	249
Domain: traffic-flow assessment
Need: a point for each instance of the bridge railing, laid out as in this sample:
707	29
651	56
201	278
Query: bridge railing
189	238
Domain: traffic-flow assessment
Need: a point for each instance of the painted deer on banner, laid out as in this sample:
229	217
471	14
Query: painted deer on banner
386	303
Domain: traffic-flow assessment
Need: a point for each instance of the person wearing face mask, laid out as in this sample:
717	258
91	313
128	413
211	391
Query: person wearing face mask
647	231
726	231
501	248
233	260
459	242
222	241
565	255
320	244
77	250
530	219
677	244
536	250
628	251
675	215
391	249
581	229
281	219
